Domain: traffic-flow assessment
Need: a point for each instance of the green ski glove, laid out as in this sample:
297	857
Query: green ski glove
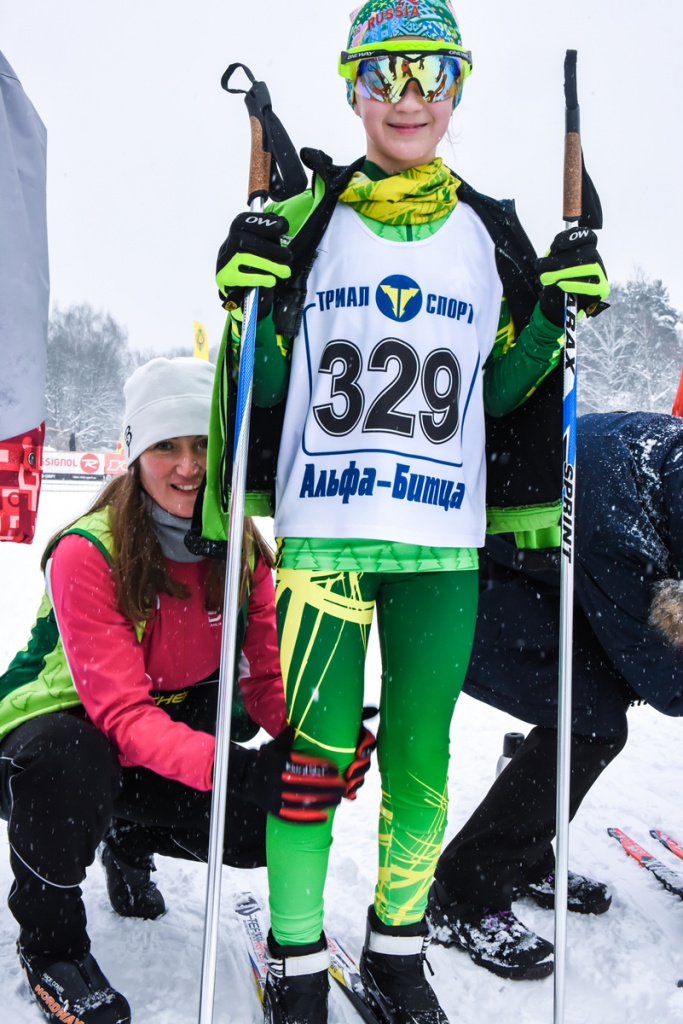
252	256
572	264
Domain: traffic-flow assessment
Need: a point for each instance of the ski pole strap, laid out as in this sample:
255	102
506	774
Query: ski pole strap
572	142
591	207
276	171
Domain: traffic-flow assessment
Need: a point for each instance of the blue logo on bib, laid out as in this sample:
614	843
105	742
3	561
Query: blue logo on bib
399	298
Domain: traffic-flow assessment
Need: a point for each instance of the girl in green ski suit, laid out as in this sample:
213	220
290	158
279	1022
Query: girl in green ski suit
404	339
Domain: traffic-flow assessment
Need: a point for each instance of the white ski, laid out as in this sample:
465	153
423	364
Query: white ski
343	967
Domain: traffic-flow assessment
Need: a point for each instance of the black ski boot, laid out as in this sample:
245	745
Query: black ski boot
73	990
297	983
132	893
494	939
584	895
392	969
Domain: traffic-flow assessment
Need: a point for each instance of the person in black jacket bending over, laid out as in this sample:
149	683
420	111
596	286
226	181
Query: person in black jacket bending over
627	646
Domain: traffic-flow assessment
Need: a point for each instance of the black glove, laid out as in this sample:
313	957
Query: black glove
572	264
252	257
290	785
357	770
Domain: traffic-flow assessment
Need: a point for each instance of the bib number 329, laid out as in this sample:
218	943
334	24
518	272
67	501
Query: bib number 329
439	377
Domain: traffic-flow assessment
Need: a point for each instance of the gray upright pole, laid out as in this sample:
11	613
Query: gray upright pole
572	212
259	179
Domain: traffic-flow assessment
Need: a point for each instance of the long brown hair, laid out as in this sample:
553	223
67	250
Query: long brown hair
140	571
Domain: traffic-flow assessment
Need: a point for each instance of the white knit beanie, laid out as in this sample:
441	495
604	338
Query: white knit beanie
166	398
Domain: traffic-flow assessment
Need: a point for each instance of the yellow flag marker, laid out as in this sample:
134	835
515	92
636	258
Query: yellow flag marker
201	343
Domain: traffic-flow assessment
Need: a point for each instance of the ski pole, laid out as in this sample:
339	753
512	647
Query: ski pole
259	179
572	212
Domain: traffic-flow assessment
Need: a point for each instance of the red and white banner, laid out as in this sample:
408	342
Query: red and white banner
24	295
82	465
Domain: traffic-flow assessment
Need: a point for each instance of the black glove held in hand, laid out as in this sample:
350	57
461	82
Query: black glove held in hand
572	264
252	257
357	770
291	785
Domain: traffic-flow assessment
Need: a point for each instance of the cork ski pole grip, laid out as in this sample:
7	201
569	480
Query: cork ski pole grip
572	199
259	163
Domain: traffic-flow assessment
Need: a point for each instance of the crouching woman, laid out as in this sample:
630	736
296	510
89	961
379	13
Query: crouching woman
107	717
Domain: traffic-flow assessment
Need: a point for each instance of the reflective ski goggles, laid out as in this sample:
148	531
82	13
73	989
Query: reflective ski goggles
384	73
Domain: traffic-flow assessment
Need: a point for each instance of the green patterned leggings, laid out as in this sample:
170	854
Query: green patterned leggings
426	626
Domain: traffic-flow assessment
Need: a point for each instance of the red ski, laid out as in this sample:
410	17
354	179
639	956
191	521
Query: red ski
666	876
668	842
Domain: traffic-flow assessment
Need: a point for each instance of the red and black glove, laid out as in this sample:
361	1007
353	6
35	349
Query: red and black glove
357	770
289	784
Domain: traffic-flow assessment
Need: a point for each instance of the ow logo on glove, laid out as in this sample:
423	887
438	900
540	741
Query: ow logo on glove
572	264
252	256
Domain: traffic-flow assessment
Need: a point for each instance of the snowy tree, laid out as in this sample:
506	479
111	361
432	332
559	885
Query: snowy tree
630	357
88	361
140	356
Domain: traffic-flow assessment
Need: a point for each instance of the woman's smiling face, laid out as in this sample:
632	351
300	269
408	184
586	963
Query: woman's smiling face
171	472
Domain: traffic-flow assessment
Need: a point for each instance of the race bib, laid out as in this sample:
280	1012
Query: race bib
384	429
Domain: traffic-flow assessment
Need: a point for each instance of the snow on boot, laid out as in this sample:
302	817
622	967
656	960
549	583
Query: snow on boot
74	991
132	893
392	970
584	895
494	939
297	983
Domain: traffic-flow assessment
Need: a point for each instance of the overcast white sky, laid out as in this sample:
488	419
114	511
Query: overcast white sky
147	156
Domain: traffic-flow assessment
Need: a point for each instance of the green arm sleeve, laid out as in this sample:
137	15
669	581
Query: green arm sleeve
517	366
271	359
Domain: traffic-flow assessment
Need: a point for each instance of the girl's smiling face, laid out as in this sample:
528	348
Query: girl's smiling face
171	472
404	134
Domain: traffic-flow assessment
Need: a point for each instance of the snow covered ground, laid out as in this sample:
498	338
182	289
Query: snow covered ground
622	967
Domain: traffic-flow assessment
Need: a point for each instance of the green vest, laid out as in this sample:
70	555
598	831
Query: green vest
38	679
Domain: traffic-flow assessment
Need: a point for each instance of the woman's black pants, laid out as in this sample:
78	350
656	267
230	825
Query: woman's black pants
61	791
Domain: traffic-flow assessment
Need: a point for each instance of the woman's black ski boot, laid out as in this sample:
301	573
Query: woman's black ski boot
132	893
73	989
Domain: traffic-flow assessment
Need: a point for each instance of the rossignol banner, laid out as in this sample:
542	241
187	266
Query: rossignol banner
64	466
